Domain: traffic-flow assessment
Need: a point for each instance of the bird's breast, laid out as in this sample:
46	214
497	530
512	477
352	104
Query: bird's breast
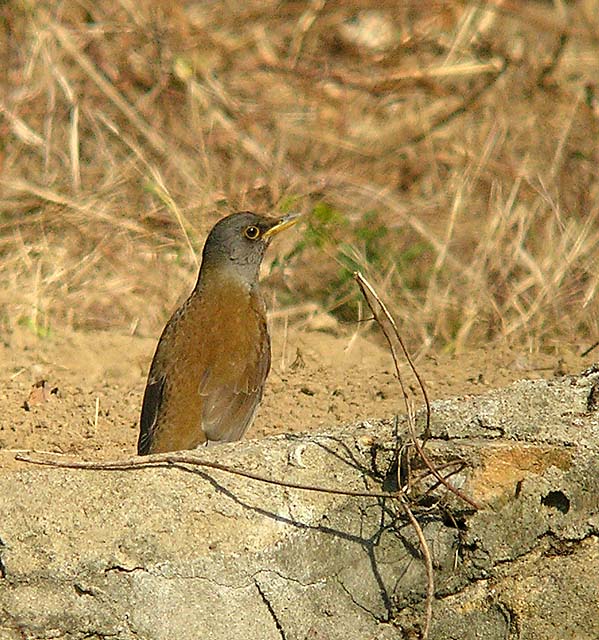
219	333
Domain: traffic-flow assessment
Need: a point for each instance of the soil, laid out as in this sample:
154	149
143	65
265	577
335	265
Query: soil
321	376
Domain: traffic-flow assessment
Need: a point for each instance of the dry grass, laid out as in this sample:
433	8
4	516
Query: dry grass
448	149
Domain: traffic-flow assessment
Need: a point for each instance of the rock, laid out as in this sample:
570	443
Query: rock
188	552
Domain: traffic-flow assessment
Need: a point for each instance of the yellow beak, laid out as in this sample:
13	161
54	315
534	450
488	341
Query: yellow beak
284	223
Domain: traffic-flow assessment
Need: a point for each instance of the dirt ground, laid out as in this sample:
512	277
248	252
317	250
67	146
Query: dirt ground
321	375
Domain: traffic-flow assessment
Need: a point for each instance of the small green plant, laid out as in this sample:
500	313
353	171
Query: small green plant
32	323
342	246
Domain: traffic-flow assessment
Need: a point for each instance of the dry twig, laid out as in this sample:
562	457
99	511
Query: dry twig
428	563
387	324
393	337
186	458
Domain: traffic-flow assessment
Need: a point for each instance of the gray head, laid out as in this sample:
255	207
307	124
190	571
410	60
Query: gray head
239	241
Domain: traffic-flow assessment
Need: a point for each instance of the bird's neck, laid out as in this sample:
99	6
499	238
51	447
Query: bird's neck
230	265
224	277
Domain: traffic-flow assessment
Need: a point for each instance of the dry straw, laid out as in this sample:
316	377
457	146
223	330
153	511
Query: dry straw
469	129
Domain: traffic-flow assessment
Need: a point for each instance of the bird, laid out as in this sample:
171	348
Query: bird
211	362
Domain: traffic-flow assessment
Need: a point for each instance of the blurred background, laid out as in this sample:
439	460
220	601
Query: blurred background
448	149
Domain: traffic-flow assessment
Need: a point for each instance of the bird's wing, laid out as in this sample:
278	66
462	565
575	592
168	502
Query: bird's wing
149	413
228	410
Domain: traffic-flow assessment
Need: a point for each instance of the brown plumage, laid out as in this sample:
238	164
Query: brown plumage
207	376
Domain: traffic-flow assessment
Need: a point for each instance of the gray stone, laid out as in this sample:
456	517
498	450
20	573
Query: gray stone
184	552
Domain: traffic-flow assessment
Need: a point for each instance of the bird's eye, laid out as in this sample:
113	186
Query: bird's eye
252	232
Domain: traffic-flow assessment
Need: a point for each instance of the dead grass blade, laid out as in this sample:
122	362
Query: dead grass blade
68	43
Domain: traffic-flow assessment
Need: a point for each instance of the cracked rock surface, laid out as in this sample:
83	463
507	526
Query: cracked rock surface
188	553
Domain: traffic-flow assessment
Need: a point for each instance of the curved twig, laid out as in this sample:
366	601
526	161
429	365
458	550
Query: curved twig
389	328
428	563
188	458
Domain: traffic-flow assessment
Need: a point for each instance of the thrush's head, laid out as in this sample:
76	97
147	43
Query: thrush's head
237	243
